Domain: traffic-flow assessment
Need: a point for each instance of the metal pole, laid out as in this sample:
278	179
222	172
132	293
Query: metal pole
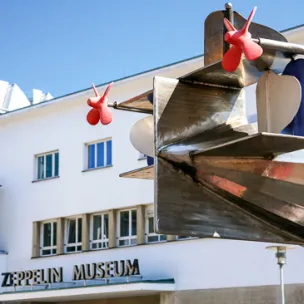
282	285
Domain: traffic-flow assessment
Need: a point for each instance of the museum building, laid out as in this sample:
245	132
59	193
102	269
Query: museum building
73	230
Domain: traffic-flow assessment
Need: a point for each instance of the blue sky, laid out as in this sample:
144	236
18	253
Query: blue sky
62	46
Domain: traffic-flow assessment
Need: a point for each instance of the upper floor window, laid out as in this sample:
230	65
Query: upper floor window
48	238
99	231
47	165
127	225
73	238
151	236
99	154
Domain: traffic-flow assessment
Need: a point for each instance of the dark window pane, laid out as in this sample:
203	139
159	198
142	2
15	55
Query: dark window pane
106	226
56	164
71	249
54	234
72	231
109	152
54	251
100	155
96	227
79	230
123	242
46	252
91	156
96	245
124	223
151	225
79	248
47	235
134	222
152	239
163	237
49	165
40	167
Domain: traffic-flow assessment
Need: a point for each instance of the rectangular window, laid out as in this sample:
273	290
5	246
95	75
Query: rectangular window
48	238
73	242
99	231
185	237
47	165
99	154
151	236
127	227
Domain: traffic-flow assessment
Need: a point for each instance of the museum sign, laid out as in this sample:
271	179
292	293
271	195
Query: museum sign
92	271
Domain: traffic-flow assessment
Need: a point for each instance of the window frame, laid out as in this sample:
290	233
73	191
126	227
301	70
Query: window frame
52	247
130	237
103	241
149	212
37	166
66	234
105	154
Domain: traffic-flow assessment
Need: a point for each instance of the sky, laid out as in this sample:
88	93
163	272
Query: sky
62	46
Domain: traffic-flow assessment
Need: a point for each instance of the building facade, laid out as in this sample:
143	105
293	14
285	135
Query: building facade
73	230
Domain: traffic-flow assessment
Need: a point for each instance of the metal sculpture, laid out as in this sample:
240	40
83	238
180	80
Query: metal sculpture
215	173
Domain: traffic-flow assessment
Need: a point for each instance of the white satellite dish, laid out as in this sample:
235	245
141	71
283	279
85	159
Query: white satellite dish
278	101
142	136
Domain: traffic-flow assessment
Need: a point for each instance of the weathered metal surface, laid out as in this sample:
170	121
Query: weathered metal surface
251	197
142	173
140	102
191	209
266	145
185	110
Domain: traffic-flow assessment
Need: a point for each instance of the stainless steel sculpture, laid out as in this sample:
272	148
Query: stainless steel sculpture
214	173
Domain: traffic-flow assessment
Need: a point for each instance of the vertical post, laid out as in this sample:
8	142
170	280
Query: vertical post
281	260
230	16
282	285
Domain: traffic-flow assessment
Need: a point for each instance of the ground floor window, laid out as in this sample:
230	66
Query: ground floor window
151	236
127	227
73	241
48	238
99	231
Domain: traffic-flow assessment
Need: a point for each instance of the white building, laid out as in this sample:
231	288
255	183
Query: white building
64	205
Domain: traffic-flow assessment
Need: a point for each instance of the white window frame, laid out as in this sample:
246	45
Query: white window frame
44	155
68	245
52	247
103	241
149	212
130	237
86	162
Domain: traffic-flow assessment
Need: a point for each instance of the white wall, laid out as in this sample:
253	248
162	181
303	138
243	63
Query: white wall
61	124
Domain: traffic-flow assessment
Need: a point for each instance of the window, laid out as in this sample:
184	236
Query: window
127	227
99	154
151	236
99	231
47	165
73	234
185	237
48	238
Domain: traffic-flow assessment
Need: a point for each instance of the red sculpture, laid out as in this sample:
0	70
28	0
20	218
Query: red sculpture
241	43
100	111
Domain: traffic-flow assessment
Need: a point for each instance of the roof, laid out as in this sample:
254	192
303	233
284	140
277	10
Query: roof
297	27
